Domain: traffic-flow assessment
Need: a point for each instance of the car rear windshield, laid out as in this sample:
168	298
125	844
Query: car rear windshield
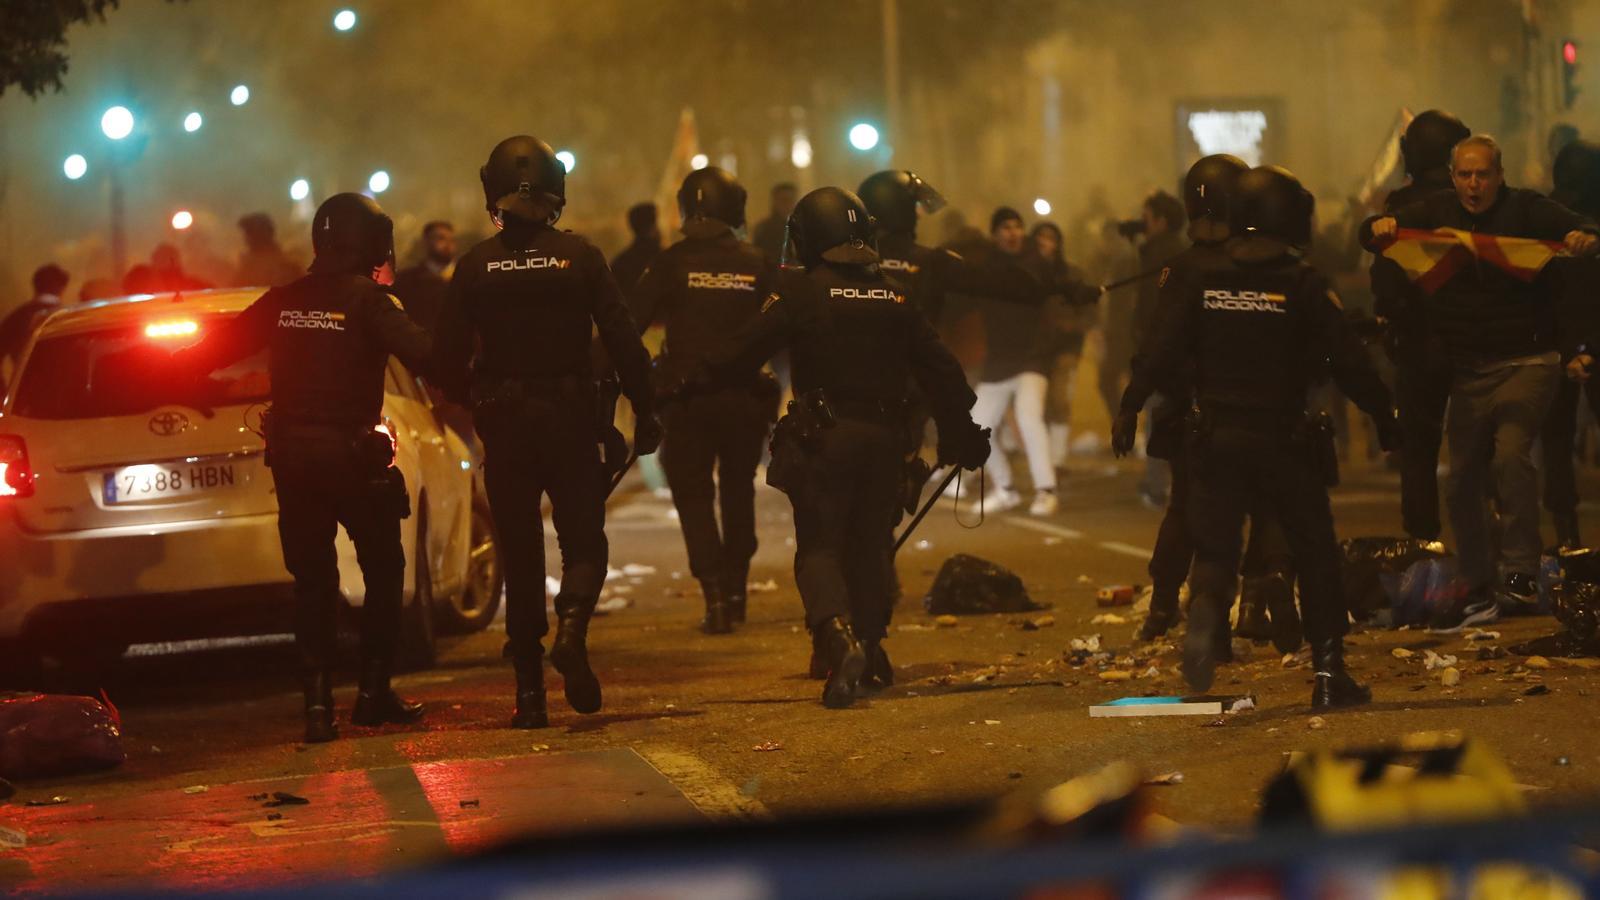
123	372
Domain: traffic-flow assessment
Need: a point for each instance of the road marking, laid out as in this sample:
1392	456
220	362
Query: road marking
1071	534
1362	498
1125	549
712	794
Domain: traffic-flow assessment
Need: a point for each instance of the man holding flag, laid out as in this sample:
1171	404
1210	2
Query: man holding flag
1476	255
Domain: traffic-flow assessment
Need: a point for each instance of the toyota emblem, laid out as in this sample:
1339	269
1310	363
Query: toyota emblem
168	424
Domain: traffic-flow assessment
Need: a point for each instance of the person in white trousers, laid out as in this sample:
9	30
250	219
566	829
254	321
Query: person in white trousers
1024	395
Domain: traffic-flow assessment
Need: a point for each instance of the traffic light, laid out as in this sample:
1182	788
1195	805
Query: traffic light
1569	73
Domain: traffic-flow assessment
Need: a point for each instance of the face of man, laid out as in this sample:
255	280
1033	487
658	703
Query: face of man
1476	177
441	244
783	202
1008	236
1045	242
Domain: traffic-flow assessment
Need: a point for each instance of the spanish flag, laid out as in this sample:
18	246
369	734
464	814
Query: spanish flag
1430	258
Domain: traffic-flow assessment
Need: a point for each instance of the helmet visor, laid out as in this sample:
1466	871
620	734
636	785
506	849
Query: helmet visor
928	197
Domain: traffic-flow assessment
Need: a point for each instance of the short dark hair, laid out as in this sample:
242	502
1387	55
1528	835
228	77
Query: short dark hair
50	279
785	186
1001	216
641	217
435	225
1167	208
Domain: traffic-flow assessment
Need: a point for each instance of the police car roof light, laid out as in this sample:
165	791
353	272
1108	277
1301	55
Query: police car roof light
175	328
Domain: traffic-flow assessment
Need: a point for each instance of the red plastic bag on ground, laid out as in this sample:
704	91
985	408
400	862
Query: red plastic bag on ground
58	734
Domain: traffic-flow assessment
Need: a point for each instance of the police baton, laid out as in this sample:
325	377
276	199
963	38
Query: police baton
926	508
1131	279
622	473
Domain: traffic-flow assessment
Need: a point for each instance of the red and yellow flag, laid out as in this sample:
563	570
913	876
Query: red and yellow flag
1430	258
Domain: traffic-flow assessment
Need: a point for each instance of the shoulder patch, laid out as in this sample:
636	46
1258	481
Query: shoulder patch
953	255
771	301
396	301
1166	273
1334	299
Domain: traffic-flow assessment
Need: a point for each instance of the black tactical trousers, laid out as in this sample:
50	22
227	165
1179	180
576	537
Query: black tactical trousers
1239	468
1421	389
533	448
724	433
1558	441
321	486
842	522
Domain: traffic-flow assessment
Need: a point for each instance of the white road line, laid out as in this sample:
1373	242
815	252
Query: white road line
711	793
1126	549
1071	534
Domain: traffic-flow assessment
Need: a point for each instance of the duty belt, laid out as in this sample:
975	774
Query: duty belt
870	410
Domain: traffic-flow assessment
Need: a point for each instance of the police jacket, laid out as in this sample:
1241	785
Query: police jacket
703	291
928	274
1173	286
1154	254
1259	329
422	290
329	337
851	333
522	307
1483	314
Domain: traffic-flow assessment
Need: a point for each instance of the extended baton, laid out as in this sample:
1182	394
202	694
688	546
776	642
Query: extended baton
926	507
616	479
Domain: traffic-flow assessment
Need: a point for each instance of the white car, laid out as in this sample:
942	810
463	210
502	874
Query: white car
129	513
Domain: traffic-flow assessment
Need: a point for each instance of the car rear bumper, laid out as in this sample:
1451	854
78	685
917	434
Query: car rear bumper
135	572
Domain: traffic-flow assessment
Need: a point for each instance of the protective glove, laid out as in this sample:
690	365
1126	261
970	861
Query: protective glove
1123	431
967	447
646	434
1388	427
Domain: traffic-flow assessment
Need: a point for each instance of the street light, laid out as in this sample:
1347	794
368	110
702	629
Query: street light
301	188
182	219
117	123
568	160
75	167
378	183
863	136
800	152
240	95
1041	206
344	19
192	122
699	161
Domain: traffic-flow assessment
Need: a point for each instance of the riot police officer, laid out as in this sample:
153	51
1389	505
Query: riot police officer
1422	369
927	274
528	298
329	336
855	342
704	288
1258	329
1207	191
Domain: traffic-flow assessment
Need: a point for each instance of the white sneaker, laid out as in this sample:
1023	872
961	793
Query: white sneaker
1045	503
999	501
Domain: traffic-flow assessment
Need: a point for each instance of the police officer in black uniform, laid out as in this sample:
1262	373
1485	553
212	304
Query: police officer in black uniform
927	274
704	288
856	343
329	336
528	298
1422	369
1257	331
1207	191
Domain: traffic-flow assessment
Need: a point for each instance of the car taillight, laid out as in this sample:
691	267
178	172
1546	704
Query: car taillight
387	429
169	330
16	475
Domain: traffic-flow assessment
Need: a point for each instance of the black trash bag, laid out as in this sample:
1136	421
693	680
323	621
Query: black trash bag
45	735
967	585
1369	562
1576	605
1580	565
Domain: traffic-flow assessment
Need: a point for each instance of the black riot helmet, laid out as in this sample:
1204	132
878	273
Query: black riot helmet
1269	202
1577	177
523	177
352	235
892	196
1209	185
830	224
1427	142
711	201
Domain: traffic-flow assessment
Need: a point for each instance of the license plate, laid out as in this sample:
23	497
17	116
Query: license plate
136	484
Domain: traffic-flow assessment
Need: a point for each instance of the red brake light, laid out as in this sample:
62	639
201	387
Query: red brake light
176	328
16	475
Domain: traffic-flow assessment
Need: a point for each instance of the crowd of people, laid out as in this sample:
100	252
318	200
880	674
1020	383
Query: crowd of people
1208	311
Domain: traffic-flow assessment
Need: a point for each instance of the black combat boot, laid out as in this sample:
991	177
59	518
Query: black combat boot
879	672
569	653
377	703
819	657
736	590
846	662
1334	687
319	708
1253	622
1278	591
1163	613
1208	627
530	712
719	618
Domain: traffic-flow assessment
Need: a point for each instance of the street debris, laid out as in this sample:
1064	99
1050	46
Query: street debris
1477	634
1316	723
1433	661
1037	623
968	585
1536	662
469	804
1243	704
637	570
767	747
1116	675
51	801
612	604
1536	690
770	586
1090	644
991	721
1401	653
284	798
1116	595
540	748
947	621
274	817
197	789
1133	707
1295	660
44	735
258	797
923	544
1084	579
1563	761
12	839
1450	677
1165	778
1108	619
